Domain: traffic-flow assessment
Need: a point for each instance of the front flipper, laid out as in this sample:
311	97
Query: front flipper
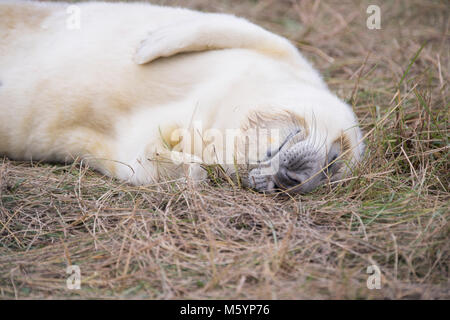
211	32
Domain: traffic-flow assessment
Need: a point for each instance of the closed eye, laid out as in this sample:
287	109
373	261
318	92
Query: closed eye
332	159
332	165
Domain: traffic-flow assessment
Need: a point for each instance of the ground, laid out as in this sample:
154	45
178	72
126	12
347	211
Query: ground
217	241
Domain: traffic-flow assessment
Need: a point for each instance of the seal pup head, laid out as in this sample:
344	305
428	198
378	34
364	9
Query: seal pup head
301	152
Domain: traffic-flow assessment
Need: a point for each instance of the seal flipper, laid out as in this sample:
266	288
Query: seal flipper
211	32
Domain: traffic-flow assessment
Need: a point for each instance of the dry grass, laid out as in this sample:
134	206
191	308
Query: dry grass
215	241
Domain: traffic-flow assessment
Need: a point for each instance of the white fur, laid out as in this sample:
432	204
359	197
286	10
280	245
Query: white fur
103	92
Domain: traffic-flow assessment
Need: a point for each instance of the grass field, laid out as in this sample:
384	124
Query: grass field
216	241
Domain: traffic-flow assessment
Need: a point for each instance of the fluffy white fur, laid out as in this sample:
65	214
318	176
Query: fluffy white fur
113	92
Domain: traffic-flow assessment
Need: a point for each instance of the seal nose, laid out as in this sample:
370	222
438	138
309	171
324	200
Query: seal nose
286	179
299	168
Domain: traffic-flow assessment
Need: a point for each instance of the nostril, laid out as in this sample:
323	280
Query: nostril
294	177
284	179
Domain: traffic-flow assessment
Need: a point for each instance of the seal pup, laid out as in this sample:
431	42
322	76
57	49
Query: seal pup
148	93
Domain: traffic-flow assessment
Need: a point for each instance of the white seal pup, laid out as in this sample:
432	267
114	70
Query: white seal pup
145	93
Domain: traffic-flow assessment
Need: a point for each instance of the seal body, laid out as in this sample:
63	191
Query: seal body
144	93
